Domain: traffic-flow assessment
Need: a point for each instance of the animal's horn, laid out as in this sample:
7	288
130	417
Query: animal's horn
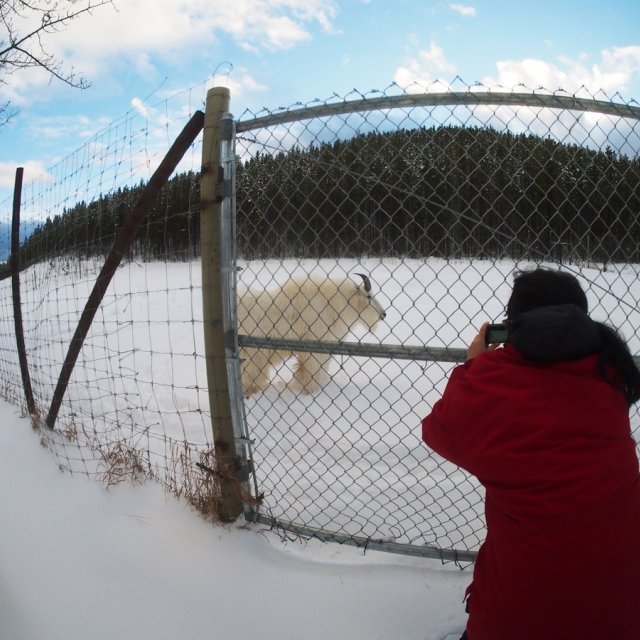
367	282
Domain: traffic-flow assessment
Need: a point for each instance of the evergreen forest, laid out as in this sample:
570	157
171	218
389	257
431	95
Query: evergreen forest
448	191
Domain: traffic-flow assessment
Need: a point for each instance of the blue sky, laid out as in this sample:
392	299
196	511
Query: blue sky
275	53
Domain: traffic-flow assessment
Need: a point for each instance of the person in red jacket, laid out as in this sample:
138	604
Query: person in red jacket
543	423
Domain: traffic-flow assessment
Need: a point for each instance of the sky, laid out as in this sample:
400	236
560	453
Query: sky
278	53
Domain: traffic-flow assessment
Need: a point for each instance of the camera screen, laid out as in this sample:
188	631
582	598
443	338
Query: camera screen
496	333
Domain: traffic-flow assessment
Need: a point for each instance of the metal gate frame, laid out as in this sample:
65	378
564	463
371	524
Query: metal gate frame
466	98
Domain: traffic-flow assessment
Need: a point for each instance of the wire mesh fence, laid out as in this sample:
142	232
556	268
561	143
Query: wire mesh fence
137	404
374	234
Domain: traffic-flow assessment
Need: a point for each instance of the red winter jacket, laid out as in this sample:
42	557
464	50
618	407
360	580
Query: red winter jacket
551	443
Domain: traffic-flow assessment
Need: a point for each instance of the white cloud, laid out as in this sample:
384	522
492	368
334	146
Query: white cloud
140	31
430	65
617	68
143	64
140	107
464	10
19	87
615	71
76	127
530	72
33	170
162	25
242	82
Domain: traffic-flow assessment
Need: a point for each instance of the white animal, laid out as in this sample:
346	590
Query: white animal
303	308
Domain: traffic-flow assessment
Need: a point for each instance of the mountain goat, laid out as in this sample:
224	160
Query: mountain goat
303	308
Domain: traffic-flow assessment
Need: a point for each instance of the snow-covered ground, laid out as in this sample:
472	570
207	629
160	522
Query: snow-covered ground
78	563
347	459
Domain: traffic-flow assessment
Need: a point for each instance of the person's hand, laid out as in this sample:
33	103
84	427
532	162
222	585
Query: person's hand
478	345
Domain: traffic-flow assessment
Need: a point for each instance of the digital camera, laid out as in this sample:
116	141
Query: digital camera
496	334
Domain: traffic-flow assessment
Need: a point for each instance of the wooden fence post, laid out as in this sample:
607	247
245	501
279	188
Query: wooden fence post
212	194
15	286
119	249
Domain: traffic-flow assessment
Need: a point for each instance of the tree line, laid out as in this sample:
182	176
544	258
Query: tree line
444	191
448	192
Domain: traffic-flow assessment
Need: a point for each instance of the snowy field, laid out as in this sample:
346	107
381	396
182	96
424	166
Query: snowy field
349	458
78	562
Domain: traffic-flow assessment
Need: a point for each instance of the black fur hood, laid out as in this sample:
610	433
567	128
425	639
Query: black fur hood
554	333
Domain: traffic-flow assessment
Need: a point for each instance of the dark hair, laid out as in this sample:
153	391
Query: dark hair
544	287
615	353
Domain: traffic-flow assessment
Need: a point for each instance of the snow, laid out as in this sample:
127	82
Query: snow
79	562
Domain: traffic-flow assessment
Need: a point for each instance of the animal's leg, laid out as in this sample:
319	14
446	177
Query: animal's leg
255	370
310	371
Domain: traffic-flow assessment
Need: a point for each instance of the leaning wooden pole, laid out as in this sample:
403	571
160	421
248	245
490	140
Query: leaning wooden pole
212	194
15	285
120	247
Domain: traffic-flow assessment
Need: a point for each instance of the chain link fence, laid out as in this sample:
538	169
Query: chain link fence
438	198
374	233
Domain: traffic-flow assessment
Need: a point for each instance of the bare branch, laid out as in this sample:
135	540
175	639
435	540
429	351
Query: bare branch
6	113
22	50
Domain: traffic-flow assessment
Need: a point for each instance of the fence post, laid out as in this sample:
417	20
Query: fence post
15	286
229	467
119	249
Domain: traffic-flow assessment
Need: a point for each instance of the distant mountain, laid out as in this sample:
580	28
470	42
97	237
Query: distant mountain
5	236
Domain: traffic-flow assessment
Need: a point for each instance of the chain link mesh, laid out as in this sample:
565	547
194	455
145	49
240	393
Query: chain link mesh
438	198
